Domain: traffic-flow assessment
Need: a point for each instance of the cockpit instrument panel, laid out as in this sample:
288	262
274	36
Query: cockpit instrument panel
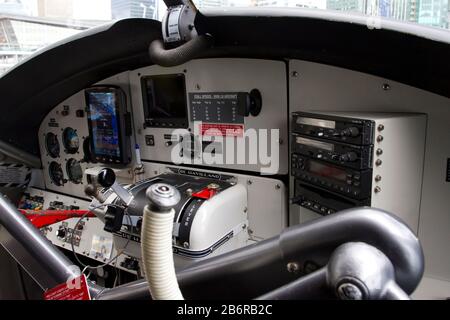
106	109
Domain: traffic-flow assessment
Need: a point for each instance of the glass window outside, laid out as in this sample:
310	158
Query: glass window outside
28	25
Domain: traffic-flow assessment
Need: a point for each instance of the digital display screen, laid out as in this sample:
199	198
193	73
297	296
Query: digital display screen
317	122
165	98
104	123
315	144
326	171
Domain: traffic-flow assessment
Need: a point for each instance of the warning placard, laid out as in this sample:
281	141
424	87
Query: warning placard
75	289
219	129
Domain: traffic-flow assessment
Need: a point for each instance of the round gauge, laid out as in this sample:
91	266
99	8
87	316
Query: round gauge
52	144
74	171
56	173
70	140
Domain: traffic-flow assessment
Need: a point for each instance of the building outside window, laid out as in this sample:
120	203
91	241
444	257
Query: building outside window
28	25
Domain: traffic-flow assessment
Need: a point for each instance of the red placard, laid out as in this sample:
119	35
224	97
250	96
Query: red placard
75	289
220	129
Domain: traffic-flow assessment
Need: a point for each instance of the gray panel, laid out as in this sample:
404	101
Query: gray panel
220	76
323	87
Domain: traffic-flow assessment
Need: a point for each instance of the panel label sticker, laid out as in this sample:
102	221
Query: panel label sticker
101	247
217	107
224	130
75	289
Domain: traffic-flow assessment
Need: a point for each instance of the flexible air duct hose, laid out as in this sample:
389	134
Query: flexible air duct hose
157	256
174	57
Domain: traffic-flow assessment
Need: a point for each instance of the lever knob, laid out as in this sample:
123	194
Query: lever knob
163	196
350	132
106	178
349	157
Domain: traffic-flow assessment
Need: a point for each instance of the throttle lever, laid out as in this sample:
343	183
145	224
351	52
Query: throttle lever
107	179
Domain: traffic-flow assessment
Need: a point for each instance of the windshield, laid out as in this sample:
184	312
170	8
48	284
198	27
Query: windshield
28	25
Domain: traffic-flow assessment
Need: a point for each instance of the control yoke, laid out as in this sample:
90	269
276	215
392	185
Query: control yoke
361	253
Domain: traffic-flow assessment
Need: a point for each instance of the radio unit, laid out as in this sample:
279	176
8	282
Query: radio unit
322	202
346	181
348	130
341	160
356	157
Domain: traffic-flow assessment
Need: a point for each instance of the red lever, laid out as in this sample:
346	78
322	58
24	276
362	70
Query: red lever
45	218
205	193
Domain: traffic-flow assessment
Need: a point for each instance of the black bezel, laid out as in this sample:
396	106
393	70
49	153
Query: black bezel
121	109
65	144
68	171
51	154
164	122
53	166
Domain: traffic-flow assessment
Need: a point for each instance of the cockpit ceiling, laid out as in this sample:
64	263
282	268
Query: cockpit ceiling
33	88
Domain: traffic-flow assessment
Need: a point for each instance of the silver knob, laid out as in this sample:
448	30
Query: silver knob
163	196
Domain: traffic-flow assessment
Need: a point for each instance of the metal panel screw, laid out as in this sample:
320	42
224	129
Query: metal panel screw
197	86
186	245
295	74
377	189
378	162
380	138
379	152
381	127
378	178
277	186
293	267
386	86
249	182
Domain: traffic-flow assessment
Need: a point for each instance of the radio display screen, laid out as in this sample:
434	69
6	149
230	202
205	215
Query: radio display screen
317	122
326	171
164	100
104	124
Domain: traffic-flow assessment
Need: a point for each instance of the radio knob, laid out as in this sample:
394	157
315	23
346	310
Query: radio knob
350	132
349	157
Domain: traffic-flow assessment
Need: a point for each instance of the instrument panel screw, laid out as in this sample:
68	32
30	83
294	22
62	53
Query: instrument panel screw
378	178
386	86
381	127
186	245
249	182
379	152
277	186
295	74
377	190
293	267
378	162
380	138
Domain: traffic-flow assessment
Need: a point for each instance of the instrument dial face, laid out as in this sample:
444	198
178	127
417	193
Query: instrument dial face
56	173
74	171
52	145
70	140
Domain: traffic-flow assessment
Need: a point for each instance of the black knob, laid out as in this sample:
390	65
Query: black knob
253	103
349	157
61	233
106	178
350	132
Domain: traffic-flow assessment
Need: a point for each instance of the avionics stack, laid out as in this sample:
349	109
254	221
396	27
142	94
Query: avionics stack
343	160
